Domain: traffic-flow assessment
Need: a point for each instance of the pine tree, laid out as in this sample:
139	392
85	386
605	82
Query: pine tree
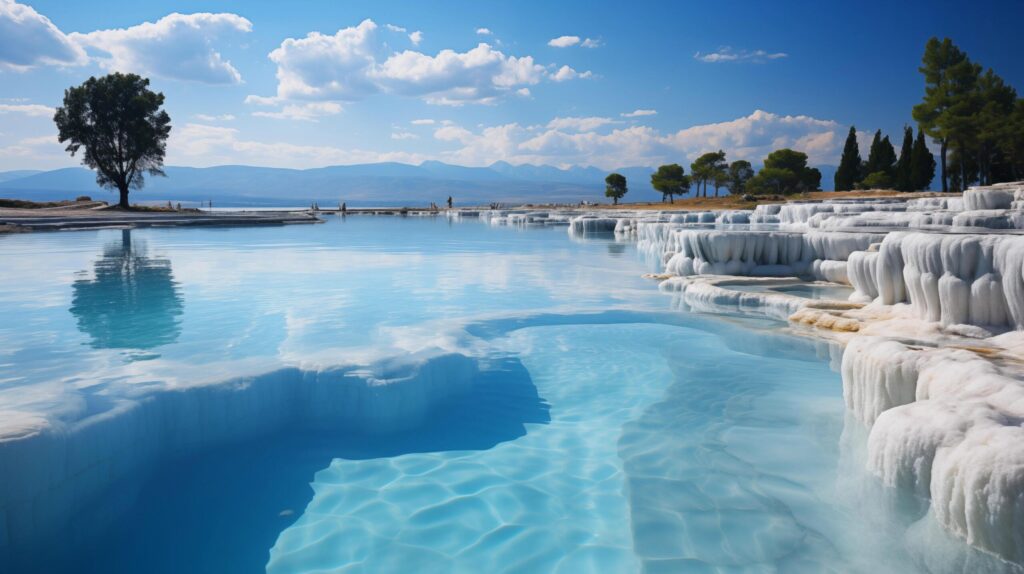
922	164
904	166
848	173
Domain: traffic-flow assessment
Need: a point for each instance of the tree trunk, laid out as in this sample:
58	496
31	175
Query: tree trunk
123	190
615	200
942	156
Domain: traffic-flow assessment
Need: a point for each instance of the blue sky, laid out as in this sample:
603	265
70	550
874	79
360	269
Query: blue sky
476	82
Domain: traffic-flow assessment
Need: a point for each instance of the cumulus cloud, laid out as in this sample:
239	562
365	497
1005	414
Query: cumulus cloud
27	39
727	54
565	73
639	113
404	136
569	41
353	64
483	32
34	110
588	141
177	46
564	41
204	145
414	37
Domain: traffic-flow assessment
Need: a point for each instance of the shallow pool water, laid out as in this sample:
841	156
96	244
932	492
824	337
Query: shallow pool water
554	415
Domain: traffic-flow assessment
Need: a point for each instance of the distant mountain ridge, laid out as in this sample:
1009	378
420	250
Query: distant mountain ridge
361	184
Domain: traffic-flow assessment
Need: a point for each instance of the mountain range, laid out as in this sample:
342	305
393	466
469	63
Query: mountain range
364	184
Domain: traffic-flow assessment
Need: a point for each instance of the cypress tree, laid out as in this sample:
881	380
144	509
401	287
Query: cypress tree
882	156
872	156
848	173
922	163
904	174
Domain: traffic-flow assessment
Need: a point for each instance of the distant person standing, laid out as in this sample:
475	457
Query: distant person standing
449	202
344	208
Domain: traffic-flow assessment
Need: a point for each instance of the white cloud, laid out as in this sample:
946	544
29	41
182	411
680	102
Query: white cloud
591	43
353	64
753	136
177	46
204	145
523	92
37	152
423	122
727	54
404	136
580	141
27	39
215	118
639	113
414	37
33	110
578	124
564	41
454	133
308	111
566	73
483	31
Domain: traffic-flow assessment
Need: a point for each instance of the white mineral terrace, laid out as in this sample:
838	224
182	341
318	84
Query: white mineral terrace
933	331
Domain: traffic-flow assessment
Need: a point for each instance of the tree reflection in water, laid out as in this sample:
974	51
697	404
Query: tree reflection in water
132	302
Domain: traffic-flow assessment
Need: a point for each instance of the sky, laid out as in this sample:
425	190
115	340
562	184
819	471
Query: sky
608	84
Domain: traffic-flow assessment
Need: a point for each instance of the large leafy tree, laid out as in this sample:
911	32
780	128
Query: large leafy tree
739	174
785	171
922	163
948	78
117	123
709	167
905	165
848	174
615	187
670	180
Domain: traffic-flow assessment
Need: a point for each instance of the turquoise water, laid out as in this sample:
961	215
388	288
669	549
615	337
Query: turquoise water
600	432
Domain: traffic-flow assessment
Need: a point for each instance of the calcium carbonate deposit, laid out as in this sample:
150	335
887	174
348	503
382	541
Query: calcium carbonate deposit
933	332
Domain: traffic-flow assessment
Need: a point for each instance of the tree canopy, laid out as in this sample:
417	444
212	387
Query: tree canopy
615	187
118	124
709	167
973	116
739	174
848	173
881	165
785	172
904	165
922	164
670	180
